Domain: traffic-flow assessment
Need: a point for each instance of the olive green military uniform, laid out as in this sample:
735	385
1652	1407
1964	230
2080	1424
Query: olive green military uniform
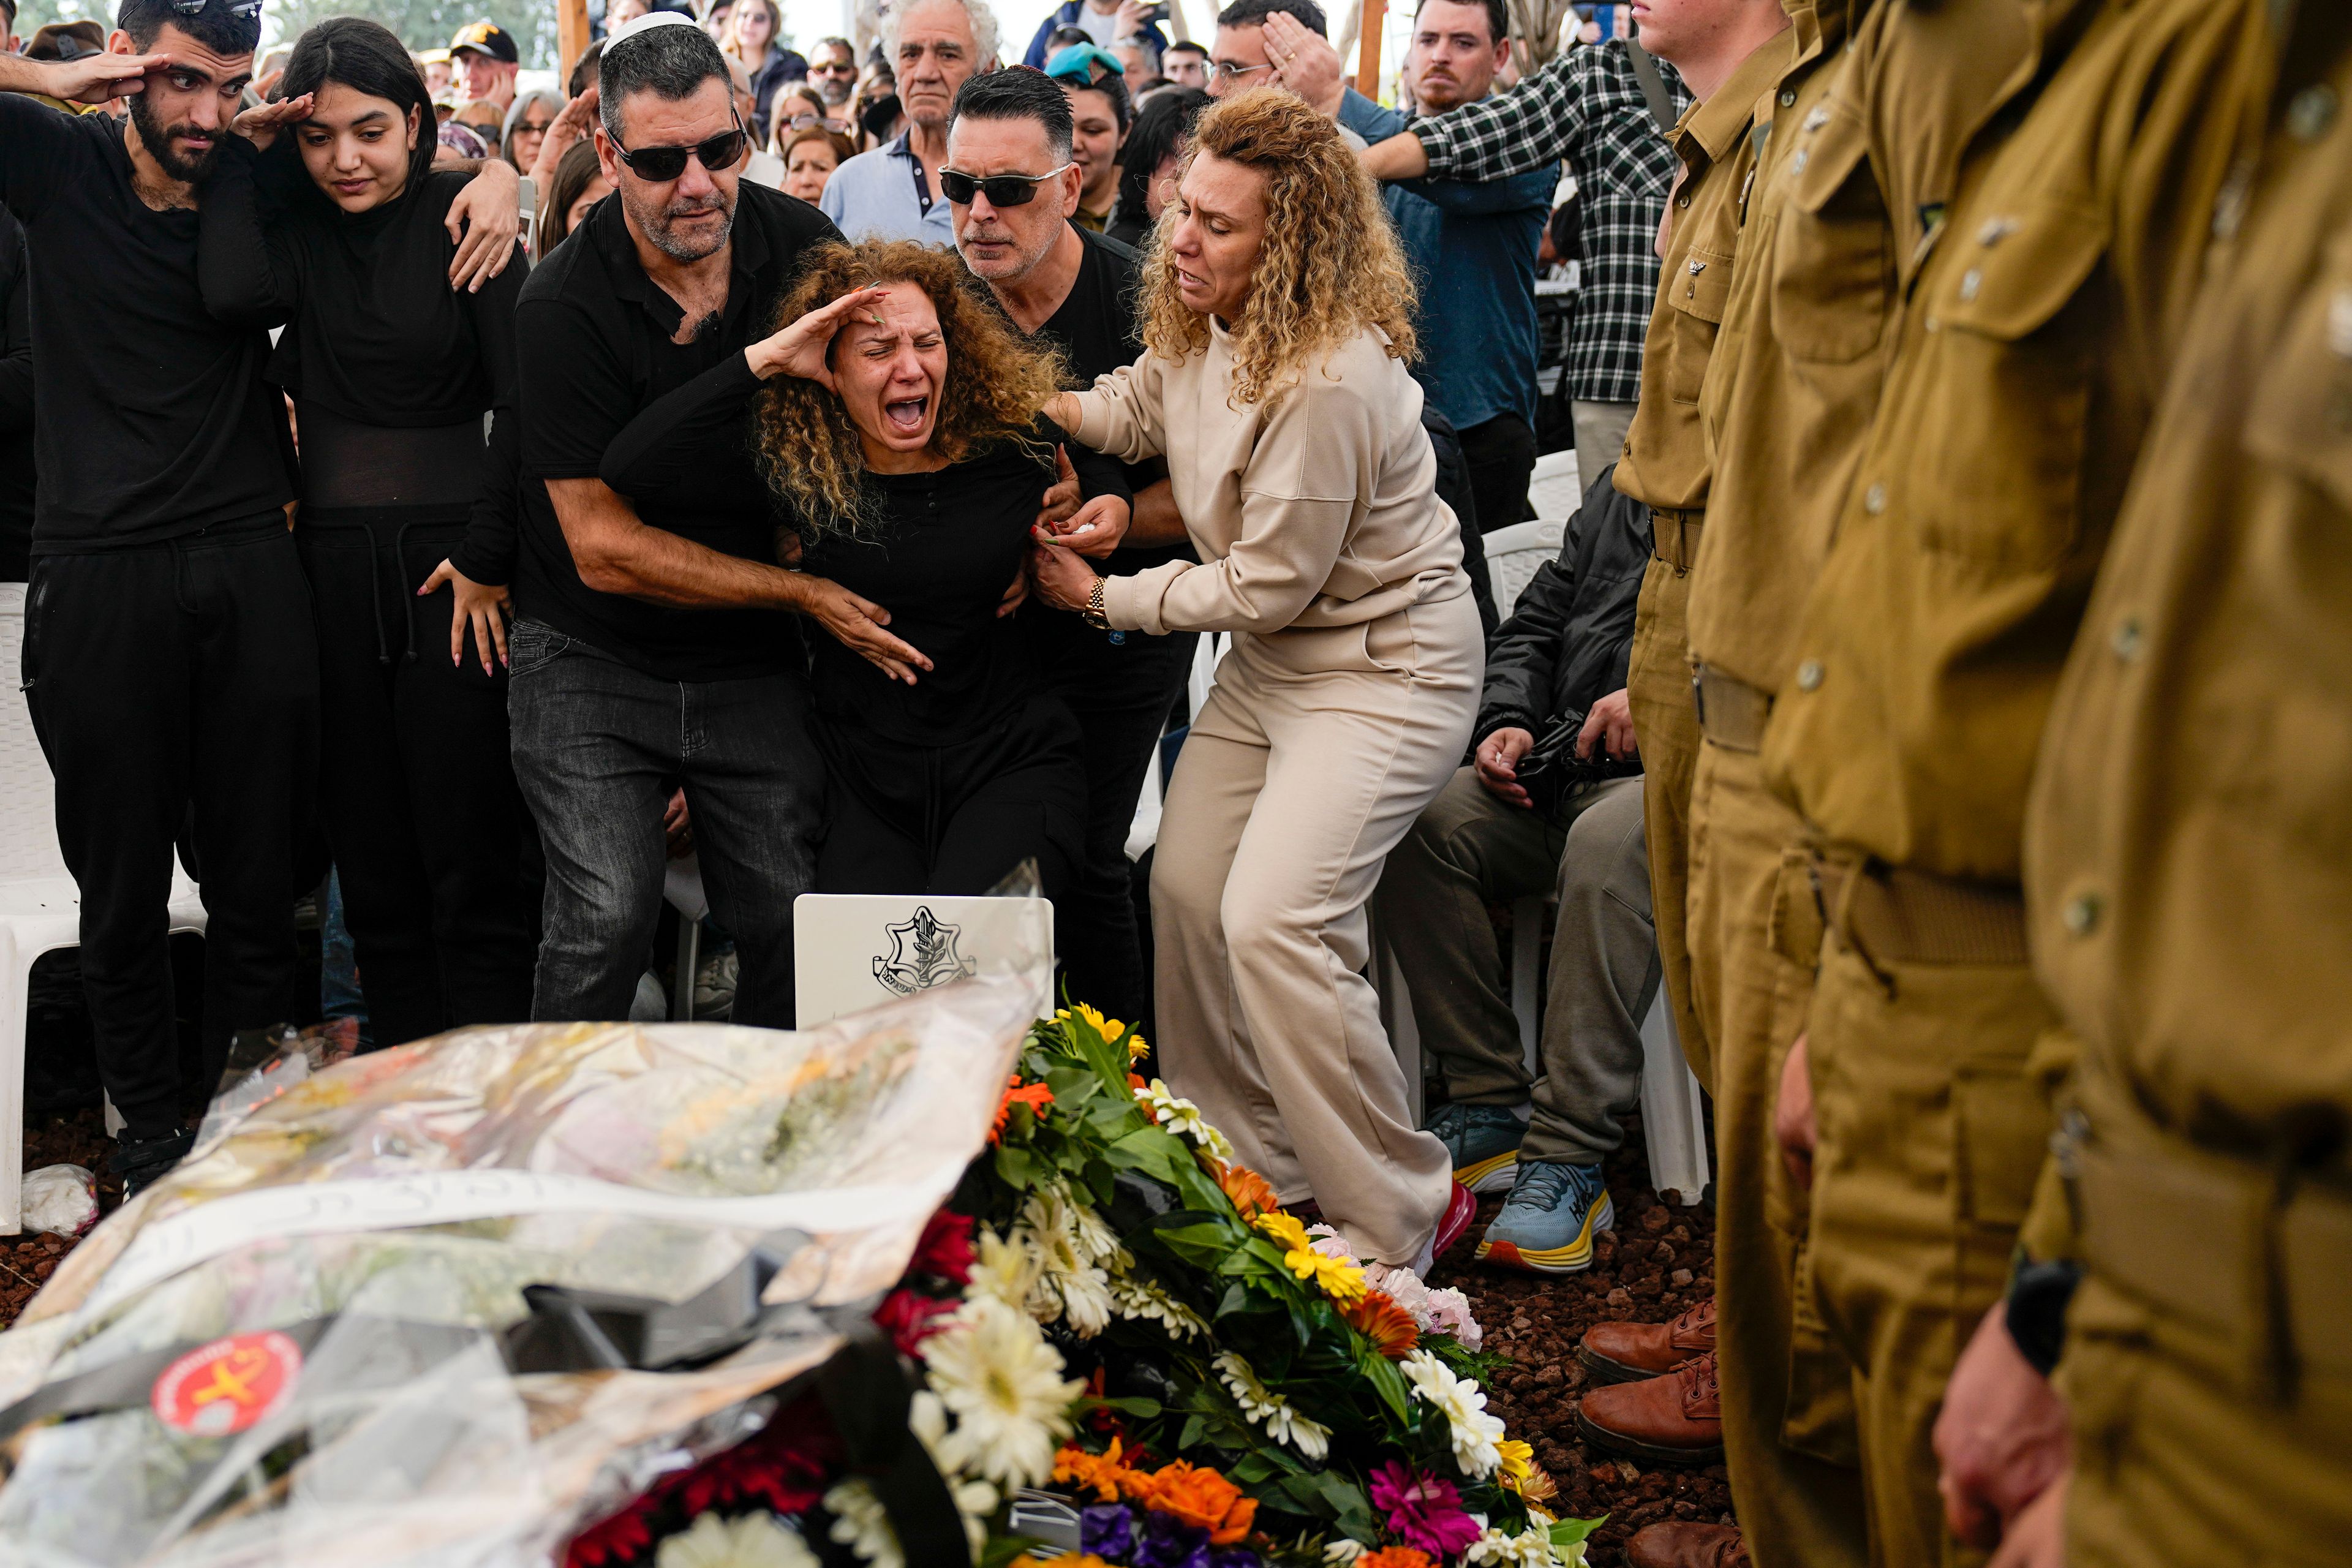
2188	873
2061	232
1785	403
1665	466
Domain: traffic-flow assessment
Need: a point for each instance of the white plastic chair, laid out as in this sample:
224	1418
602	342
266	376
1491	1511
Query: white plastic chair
41	907
1555	489
1515	553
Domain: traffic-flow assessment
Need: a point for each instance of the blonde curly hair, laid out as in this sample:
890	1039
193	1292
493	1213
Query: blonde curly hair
995	383
1327	268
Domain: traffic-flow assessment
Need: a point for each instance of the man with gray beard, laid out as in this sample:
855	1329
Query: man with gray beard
651	648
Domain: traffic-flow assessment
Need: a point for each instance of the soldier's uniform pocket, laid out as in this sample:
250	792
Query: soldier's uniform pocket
1833	253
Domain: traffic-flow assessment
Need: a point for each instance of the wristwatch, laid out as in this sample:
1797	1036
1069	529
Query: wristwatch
1093	613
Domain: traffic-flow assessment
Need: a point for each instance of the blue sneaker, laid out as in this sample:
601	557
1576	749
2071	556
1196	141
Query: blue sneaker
1548	1222
1485	1142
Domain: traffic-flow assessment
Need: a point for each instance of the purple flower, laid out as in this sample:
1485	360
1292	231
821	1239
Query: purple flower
1107	1530
1168	1542
1424	1510
1233	1557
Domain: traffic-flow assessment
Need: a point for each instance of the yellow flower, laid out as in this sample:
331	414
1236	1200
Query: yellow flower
1519	1462
1282	1229
1110	1029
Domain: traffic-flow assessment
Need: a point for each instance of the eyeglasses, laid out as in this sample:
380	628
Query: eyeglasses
838	68
536	127
235	8
1001	190
1220	71
802	122
663	165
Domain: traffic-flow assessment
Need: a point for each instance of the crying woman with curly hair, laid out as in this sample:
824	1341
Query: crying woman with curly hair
897	426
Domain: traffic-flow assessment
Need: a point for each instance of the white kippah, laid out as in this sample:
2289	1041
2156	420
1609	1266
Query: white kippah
638	26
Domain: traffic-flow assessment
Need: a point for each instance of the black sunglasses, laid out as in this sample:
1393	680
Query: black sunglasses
1003	190
663	165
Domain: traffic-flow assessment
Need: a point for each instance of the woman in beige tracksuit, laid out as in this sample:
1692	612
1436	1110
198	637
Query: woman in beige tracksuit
1274	381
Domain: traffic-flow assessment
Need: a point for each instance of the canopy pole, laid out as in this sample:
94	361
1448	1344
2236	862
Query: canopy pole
1368	49
570	32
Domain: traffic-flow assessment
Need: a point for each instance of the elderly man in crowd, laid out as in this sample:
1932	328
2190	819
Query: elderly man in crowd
486	63
893	192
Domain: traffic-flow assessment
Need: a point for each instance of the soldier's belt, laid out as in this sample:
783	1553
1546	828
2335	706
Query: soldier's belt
1674	536
2223	1243
1730	711
1892	914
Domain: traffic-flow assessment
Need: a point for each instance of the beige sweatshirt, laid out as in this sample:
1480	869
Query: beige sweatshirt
1321	512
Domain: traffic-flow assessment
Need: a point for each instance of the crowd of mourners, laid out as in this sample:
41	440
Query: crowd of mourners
1941	704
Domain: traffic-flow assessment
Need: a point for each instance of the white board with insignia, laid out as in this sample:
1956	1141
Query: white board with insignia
853	951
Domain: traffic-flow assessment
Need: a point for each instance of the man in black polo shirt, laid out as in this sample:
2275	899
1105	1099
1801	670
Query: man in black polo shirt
1058	281
168	659
650	643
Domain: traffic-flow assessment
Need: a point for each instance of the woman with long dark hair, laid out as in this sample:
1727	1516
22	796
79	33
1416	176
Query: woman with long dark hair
326	218
1147	168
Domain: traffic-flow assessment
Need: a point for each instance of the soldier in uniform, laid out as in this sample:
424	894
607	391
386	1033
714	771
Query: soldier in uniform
2189	882
2048	244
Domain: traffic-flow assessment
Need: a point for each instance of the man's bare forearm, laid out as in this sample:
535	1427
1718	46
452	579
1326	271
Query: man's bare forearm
618	553
1155	519
1401	157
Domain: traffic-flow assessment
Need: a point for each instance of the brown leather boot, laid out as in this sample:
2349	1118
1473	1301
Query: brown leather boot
1676	1419
1621	1353
1687	1546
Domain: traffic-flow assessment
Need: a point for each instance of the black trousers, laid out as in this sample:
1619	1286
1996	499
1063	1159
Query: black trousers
956	818
162	679
1502	455
429	833
1122	694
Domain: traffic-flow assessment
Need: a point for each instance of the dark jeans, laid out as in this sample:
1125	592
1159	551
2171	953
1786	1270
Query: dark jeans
162	677
597	747
956	818
427	828
1122	694
1502	455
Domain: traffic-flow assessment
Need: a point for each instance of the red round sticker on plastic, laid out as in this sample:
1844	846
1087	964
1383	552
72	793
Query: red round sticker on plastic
228	1385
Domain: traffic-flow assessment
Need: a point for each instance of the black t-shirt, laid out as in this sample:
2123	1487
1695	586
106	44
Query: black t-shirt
593	334
390	369
154	419
17	460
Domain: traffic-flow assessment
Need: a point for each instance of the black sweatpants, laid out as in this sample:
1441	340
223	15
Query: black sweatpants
1501	453
428	829
956	818
1122	694
165	677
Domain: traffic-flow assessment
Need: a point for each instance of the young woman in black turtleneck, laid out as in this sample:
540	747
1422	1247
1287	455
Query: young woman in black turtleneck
326	218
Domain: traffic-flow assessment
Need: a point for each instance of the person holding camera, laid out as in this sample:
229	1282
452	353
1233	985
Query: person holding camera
1553	800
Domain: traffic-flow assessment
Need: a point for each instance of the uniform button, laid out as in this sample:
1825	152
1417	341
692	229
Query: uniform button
1809	675
1996	230
1789	97
2081	913
2127	639
1805	156
1873	500
1971	283
2311	112
1682	201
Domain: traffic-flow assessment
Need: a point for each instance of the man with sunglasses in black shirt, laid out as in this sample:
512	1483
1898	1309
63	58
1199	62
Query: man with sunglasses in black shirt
1012	187
651	646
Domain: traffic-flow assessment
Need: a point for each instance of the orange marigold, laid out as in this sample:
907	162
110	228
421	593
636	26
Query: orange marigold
1394	1557
1075	1466
1036	1096
1380	1319
1198	1496
1251	1193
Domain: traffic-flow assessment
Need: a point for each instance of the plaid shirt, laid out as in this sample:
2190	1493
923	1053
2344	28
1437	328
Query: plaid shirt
1585	106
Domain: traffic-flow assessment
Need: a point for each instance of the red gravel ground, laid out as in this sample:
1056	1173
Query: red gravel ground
1660	1260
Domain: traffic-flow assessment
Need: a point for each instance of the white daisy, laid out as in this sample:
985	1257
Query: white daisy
1003	1383
1069	1240
860	1523
1282	1422
975	1501
1004	1268
1531	1548
1463	1405
754	1540
1143	1300
1180	1115
1343	1550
